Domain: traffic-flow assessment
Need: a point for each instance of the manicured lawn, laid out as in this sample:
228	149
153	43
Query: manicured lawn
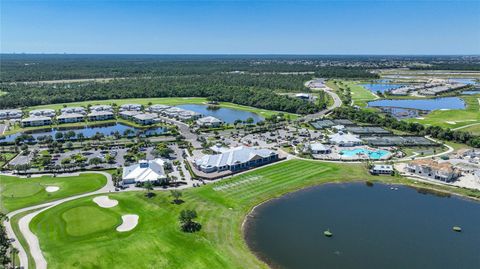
18	192
360	95
157	241
475	130
454	118
164	101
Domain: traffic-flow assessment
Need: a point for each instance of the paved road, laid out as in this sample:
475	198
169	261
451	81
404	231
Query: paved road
337	102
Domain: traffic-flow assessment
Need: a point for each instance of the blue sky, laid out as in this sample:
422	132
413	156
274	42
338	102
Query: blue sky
238	27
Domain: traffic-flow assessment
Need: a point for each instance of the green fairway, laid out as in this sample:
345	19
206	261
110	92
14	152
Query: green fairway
68	240
454	118
475	129
360	95
173	101
18	192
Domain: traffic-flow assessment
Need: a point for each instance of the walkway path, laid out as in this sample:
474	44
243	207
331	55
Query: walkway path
466	126
31	238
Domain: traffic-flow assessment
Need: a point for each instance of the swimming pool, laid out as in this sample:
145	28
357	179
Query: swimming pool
377	154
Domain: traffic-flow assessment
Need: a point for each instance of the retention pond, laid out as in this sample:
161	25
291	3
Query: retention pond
379	226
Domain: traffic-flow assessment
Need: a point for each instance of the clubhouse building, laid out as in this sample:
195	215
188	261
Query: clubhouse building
143	171
235	159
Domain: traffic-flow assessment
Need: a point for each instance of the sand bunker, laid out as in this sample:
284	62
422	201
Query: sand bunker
52	188
129	222
105	202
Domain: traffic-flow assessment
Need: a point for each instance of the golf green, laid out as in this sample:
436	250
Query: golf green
69	241
18	192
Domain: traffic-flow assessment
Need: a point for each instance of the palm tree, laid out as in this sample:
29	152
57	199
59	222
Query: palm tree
176	194
148	186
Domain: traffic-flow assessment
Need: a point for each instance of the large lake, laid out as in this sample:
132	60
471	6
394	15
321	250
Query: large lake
90	131
381	87
373	227
227	115
422	104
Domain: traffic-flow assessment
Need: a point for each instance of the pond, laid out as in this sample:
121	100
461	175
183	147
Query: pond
228	115
89	131
471	92
380	87
421	104
463	80
373	227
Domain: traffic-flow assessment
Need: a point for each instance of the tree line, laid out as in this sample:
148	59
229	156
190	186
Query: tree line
246	90
388	121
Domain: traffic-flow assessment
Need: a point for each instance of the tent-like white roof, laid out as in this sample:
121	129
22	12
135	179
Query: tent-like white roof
233	156
144	171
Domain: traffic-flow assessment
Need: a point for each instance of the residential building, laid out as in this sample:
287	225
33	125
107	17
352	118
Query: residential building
131	107
97	115
143	171
8	114
235	159
188	115
432	169
70	118
345	139
382	169
42	112
158	108
209	122
33	121
318	148
77	110
127	114
101	108
145	118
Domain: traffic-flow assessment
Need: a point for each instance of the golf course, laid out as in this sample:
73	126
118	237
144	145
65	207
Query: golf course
81	234
18	192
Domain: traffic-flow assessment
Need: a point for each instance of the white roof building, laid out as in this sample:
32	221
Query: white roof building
10	114
101	108
209	121
42	112
78	110
318	148
131	107
345	139
235	159
158	108
144	171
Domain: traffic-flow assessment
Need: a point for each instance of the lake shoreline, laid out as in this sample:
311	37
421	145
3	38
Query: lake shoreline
431	189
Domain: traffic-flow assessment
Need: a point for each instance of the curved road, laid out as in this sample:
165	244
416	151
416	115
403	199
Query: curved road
337	102
31	238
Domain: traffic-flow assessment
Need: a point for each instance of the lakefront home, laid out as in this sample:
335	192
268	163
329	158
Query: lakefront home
33	121
433	169
235	159
97	115
209	122
70	118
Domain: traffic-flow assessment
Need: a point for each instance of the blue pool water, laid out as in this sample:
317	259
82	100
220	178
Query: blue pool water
421	104
377	154
380	87
88	132
227	115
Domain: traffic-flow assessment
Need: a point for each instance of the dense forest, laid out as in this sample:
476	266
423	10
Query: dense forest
388	121
56	67
250	90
